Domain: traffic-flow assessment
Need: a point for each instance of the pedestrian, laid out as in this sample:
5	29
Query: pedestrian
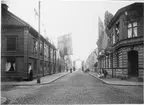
104	72
30	71
71	70
31	75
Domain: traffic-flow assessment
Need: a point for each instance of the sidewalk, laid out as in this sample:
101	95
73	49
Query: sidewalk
116	81
44	80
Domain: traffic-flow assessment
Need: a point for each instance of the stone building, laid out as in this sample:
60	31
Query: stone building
103	44
125	58
92	61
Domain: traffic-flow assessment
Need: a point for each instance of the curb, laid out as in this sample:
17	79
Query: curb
112	83
39	83
3	100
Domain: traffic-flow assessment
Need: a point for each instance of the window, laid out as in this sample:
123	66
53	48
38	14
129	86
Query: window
41	52
45	50
117	31
108	61
54	56
113	36
11	43
35	46
113	39
10	64
132	29
48	51
117	58
51	55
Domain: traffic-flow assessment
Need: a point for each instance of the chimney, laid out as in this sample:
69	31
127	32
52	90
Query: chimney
4	6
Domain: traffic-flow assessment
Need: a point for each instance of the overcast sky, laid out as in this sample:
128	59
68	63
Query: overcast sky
65	16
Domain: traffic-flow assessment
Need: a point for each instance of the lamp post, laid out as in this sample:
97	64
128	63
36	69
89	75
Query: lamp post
38	79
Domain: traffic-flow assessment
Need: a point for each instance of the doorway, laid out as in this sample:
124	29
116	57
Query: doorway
133	63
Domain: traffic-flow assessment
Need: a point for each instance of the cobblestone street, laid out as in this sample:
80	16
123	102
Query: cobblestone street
82	88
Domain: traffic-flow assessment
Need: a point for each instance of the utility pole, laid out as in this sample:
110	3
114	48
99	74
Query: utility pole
38	79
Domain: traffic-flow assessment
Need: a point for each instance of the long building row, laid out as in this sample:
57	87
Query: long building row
19	49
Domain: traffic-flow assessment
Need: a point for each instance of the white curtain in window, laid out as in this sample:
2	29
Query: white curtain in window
134	24
129	32
129	25
134	31
14	66
36	46
113	39
8	66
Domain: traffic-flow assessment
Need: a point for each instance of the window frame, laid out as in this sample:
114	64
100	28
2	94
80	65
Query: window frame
132	29
16	42
14	59
35	46
41	48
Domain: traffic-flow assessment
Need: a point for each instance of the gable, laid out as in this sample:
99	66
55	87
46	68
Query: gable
10	19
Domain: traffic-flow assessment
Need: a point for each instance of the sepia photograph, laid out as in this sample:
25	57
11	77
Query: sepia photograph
72	52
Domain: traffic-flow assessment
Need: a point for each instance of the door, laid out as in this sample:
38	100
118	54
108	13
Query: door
133	63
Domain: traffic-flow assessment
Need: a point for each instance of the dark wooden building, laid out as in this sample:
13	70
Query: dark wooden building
19	45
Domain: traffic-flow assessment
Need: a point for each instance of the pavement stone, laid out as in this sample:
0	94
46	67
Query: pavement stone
44	80
113	81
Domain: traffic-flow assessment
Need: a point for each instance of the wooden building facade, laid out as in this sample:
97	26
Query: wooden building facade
19	46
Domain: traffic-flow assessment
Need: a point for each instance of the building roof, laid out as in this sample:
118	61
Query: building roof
135	6
10	19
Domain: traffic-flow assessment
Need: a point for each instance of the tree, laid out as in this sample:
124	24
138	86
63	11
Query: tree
108	17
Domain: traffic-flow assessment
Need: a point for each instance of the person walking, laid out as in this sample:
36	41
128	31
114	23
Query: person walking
30	71
70	70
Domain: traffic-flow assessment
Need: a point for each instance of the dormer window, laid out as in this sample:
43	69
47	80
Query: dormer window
132	29
117	31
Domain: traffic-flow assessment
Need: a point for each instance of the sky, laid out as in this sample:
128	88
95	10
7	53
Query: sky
58	17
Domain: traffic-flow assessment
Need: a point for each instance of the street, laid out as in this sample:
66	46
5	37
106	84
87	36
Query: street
82	88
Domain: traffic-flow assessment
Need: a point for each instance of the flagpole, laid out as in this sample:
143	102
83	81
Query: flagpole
39	77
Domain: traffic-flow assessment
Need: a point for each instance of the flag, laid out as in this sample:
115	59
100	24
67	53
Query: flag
36	13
